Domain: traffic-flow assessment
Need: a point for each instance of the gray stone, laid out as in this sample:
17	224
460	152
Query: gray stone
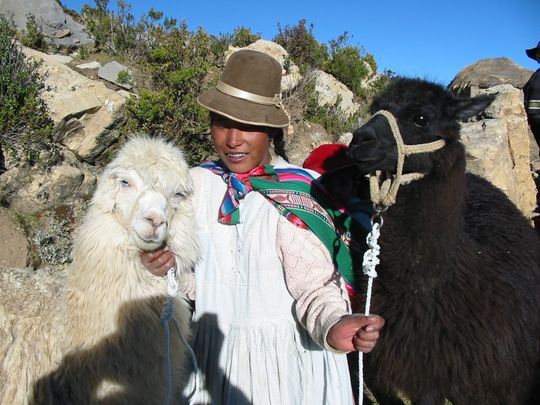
70	96
110	72
50	16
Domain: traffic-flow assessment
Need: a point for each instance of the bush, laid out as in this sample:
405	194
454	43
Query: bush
302	103
349	66
305	51
25	126
242	37
177	69
123	77
32	36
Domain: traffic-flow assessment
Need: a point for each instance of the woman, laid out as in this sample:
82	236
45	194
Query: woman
272	315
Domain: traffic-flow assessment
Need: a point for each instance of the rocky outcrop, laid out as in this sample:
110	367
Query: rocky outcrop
498	147
332	93
86	112
58	27
487	73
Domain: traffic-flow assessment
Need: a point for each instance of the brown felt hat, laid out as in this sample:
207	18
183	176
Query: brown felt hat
531	53
248	91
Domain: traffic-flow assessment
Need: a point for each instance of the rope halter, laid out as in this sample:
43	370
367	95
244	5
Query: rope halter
383	192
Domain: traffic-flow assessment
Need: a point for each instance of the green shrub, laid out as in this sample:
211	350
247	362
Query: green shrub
349	65
242	37
303	48
177	70
25	126
32	36
123	77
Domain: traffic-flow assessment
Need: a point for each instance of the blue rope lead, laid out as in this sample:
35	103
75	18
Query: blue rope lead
167	315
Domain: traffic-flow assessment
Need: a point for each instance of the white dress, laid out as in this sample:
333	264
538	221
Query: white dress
254	281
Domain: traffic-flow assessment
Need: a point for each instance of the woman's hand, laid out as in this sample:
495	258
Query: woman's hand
355	333
158	262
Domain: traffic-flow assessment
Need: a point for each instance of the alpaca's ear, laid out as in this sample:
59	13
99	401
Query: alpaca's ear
463	109
103	196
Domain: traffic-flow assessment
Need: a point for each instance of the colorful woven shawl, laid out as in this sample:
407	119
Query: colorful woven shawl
296	196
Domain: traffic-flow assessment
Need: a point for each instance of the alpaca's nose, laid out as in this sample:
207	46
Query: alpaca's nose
155	219
364	139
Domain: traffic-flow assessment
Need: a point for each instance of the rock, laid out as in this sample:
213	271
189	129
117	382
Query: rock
52	19
66	32
64	59
14	247
498	147
89	65
46	191
110	72
330	90
488	73
71	96
126	94
307	138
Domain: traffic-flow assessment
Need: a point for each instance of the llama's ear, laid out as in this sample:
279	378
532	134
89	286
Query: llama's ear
105	190
465	108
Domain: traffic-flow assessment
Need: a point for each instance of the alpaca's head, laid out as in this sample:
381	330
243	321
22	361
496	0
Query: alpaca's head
142	188
425	112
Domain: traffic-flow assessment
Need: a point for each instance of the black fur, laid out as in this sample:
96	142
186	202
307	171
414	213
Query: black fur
459	278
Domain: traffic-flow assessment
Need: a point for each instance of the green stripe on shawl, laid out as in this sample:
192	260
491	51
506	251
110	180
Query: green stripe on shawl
317	221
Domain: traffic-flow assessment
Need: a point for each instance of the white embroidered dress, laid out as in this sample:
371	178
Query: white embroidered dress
254	281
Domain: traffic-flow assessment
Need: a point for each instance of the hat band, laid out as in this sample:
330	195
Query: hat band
246	95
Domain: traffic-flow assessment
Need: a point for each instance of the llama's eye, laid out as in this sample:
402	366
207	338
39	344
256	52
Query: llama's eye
421	121
124	183
179	195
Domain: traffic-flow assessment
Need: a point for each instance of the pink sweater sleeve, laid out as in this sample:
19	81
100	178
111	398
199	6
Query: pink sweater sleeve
318	289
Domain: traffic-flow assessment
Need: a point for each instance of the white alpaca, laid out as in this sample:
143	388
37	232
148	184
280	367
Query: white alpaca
92	334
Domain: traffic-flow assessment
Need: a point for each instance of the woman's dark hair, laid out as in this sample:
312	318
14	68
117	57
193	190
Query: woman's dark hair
278	138
275	134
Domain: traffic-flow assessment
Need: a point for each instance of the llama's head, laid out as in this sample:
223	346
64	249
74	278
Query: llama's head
142	188
425	112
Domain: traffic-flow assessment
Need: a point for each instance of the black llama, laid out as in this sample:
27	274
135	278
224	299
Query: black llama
459	278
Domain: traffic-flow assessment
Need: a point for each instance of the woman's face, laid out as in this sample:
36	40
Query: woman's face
241	147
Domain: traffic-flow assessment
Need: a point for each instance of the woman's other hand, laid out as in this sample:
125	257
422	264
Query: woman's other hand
158	262
355	332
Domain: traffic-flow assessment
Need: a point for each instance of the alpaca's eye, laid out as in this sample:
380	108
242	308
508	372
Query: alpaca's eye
179	195
421	121
124	183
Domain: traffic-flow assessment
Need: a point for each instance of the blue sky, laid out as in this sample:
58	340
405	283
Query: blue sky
431	39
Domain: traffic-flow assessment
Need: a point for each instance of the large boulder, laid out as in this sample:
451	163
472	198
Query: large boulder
58	27
498	147
487	73
87	113
332	93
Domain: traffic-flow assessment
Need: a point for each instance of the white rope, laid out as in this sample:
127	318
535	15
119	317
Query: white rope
371	260
167	315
